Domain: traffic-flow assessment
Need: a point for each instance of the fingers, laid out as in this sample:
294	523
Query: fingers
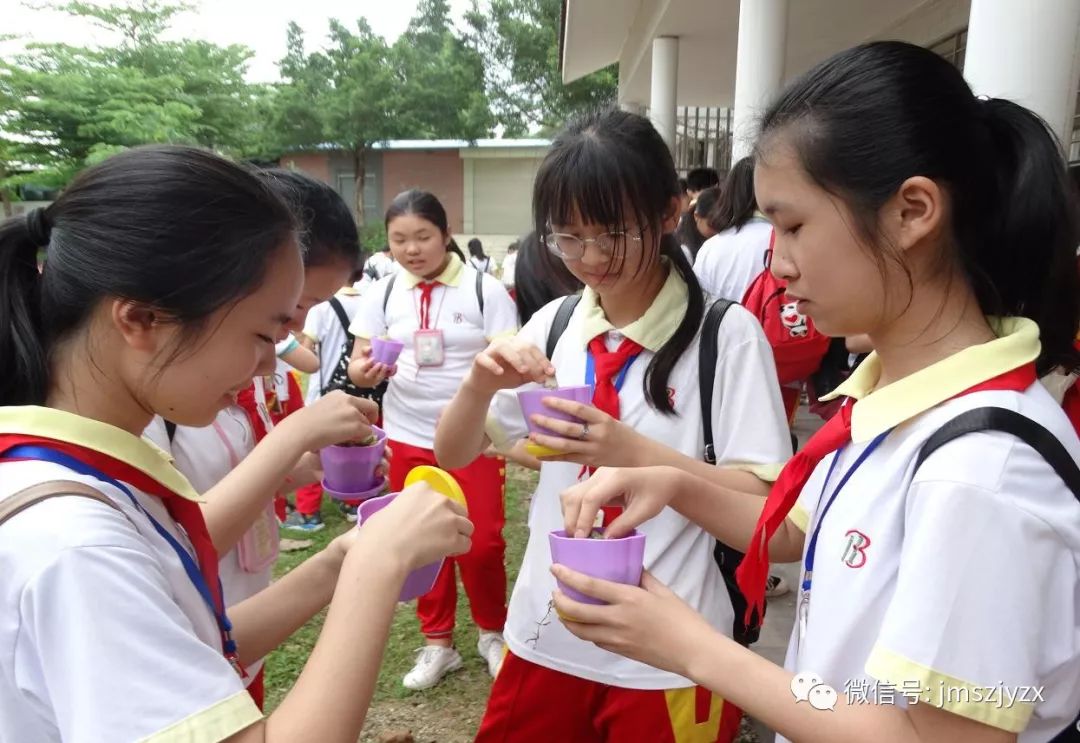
587	413
571	506
369	408
566	429
650	583
526	359
573	612
604	590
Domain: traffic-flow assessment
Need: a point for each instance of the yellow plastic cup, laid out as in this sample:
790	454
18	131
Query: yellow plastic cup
440	481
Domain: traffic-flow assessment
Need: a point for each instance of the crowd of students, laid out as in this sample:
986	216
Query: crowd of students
149	437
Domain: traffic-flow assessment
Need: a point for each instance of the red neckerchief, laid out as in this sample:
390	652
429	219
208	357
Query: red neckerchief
186	513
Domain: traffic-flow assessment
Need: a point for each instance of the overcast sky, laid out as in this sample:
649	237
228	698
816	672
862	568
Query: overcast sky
258	24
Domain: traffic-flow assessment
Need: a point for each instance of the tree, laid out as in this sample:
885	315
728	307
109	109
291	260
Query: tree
442	92
519	39
63	107
359	91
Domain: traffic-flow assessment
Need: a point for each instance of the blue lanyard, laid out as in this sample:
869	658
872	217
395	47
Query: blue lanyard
190	566
590	371
808	563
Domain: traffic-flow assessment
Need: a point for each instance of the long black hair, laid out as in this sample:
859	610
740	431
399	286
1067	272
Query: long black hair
425	205
539	277
176	228
328	230
736	204
476	249
869	118
602	164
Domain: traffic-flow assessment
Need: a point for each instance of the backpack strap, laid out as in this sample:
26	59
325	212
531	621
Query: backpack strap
389	288
342	316
558	325
480	290
707	358
1011	422
20	501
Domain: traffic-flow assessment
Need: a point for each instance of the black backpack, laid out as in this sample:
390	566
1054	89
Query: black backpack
727	558
339	378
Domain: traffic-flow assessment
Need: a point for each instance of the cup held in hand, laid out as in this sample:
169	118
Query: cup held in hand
532	403
617	560
350	469
386	350
421	580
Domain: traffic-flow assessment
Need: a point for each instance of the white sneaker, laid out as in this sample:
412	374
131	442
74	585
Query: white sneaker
492	648
432	663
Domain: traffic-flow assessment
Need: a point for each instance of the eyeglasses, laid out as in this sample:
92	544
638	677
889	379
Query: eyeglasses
572	247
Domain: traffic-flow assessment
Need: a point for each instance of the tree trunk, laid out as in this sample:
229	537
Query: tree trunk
359	166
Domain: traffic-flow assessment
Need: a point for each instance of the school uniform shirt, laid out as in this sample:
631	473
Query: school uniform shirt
961	577
729	262
324	327
203	459
103	637
748	427
416	396
508	266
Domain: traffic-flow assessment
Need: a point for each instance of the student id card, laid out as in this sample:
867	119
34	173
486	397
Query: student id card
429	347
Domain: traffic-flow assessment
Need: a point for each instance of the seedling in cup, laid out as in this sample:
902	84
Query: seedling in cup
349	469
619	560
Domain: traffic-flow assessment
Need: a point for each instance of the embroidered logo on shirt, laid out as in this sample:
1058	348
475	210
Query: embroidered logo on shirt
855	550
459	318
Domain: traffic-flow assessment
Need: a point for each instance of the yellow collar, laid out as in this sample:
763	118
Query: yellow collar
653	329
451	275
878	410
33	420
347	291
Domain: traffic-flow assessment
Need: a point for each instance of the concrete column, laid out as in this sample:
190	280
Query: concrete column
759	67
665	82
1026	52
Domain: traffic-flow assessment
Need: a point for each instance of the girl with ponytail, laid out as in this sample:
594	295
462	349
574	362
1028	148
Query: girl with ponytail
606	201
169	274
937	514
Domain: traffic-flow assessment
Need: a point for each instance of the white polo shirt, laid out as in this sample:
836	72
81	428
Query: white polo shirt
416	396
324	327
103	637
204	460
729	262
961	575
748	427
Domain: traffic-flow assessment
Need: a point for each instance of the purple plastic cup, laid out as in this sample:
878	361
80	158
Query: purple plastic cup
616	560
386	350
419	581
351	469
532	403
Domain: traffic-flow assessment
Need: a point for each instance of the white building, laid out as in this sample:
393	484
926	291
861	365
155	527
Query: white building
727	54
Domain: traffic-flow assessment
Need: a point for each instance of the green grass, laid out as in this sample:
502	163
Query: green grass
452	709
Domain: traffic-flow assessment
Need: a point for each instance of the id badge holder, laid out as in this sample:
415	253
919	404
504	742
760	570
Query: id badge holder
429	348
260	405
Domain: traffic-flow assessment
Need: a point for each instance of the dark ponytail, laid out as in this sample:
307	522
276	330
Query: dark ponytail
612	168
1023	259
23	360
175	228
327	226
869	118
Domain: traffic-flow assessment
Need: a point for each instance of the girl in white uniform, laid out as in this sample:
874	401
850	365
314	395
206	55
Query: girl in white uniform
445	312
938	599
606	200
243	505
170	273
